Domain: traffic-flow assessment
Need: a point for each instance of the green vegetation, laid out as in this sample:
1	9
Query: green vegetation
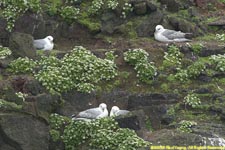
219	62
22	65
69	13
70	10
98	134
172	58
185	126
220	37
139	58
192	100
14	9
196	48
9	105
4	52
79	70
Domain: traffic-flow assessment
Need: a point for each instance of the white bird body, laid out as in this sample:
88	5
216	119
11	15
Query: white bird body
93	113
165	35
44	44
115	111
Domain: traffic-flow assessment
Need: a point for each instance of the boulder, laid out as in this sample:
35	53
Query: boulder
109	22
176	5
22	45
42	104
134	120
140	7
116	97
180	24
144	100
174	137
75	102
4	36
147	27
24	132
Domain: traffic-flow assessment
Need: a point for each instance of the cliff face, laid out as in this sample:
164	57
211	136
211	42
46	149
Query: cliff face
160	108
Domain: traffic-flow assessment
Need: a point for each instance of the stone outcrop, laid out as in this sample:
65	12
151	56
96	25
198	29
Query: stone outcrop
22	45
23	132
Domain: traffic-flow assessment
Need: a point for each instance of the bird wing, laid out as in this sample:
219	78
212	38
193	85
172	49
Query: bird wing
171	34
121	112
39	44
92	113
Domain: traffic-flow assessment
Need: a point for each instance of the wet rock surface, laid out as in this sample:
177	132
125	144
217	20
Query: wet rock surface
24	131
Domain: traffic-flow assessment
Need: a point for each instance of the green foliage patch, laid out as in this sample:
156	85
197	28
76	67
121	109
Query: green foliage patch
146	70
101	134
4	52
79	69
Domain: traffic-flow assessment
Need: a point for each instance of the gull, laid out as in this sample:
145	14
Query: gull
93	113
115	111
44	44
165	35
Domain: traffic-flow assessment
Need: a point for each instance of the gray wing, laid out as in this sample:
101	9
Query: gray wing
171	34
39	44
92	113
122	112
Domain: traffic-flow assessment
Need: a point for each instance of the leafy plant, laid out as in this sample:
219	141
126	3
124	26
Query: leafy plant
220	37
110	56
146	71
173	57
196	48
22	95
4	52
14	9
79	69
185	126
22	65
218	61
98	134
69	13
192	100
136	56
127	8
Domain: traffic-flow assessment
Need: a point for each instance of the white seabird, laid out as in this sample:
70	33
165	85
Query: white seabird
115	111
165	35
93	113
44	44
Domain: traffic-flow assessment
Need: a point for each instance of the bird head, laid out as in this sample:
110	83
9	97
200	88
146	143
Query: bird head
50	38
103	106
159	28
114	110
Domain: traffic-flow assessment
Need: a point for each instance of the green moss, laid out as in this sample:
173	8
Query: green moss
9	105
91	23
149	125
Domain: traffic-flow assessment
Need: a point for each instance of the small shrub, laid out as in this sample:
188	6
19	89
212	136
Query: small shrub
22	65
173	57
139	58
185	126
196	48
69	13
218	61
136	56
192	100
4	52
101	134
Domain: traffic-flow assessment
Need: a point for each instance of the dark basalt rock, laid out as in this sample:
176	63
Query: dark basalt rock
147	28
134	120
24	132
22	45
174	137
144	100
110	22
75	102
